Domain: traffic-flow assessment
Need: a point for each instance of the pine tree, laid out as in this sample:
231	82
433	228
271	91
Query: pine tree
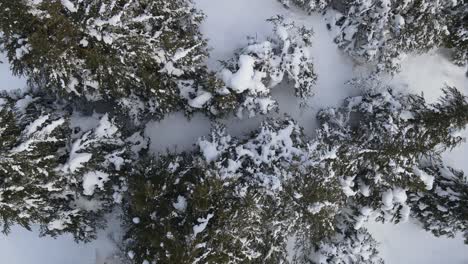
381	137
135	53
443	209
347	244
231	201
55	174
24	167
458	38
261	66
382	32
346	247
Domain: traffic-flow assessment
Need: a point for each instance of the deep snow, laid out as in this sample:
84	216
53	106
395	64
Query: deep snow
227	25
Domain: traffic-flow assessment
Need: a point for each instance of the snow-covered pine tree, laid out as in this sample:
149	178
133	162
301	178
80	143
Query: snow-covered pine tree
348	245
172	202
351	246
96	167
381	137
28	160
382	32
140	54
55	175
458	38
231	201
260	66
443	209
440	123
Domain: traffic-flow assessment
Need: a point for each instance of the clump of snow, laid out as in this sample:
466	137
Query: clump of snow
364	189
93	180
246	78
76	159
84	43
181	204
399	195
212	147
116	160
58	224
23	103
200	100
317	207
69	5
106	128
405	213
182	53
427	179
360	220
209	150
346	184
203	222
387	199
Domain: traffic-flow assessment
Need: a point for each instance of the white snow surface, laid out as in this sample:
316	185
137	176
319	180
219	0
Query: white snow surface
25	247
8	82
408	243
227	25
93	180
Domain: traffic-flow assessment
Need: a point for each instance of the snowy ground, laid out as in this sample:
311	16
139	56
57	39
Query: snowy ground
227	25
7	81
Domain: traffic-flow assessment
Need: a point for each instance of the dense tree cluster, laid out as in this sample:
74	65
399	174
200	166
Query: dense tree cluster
146	58
382	32
368	161
231	201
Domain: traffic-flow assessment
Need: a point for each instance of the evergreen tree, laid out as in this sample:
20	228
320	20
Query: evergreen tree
347	247
55	174
24	167
135	53
382	32
443	210
347	244
458	39
261	66
232	201
380	138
